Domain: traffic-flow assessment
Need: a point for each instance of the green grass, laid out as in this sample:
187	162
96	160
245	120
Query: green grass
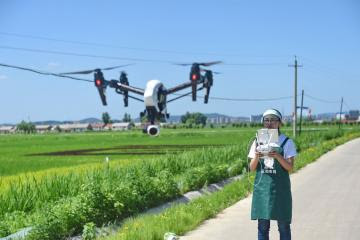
52	192
185	217
181	218
15	148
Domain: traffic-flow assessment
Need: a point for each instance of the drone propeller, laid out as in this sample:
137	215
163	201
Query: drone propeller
205	70
97	69
205	64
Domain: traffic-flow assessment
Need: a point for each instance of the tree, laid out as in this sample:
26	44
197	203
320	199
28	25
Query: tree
26	127
106	118
89	128
194	118
126	118
57	128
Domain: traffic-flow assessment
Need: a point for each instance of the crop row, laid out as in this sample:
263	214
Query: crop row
63	204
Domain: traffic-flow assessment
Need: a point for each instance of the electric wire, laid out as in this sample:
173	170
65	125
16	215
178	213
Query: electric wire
34	50
81	54
320	100
44	73
182	95
249	99
212	98
26	36
330	71
347	106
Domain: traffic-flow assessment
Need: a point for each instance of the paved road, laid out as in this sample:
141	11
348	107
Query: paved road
326	203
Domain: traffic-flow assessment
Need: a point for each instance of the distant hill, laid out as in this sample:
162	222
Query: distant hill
217	117
177	118
90	120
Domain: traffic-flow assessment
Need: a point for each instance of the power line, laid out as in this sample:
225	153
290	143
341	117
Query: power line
243	99
44	73
347	105
254	64
249	99
120	58
86	80
129	48
328	70
320	100
80	54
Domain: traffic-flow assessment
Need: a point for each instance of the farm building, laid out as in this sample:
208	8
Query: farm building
75	127
43	128
7	129
118	126
97	126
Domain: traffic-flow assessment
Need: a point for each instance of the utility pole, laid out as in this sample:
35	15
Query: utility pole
295	97
301	108
341	111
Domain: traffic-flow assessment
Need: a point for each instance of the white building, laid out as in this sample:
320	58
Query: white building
7	129
120	126
43	128
75	127
255	118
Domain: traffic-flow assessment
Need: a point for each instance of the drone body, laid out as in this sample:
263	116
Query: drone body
155	94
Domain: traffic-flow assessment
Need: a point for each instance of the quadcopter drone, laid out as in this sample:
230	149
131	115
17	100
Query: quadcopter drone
155	94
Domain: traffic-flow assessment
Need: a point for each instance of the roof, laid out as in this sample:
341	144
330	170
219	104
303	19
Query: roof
42	127
123	124
74	126
6	128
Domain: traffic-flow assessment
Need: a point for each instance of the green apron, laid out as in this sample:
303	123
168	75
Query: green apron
272	192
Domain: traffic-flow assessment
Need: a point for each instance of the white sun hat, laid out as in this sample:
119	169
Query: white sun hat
272	112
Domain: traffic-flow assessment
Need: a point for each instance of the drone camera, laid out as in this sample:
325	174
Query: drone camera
153	130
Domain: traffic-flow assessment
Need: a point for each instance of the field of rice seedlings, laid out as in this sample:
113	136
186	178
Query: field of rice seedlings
58	183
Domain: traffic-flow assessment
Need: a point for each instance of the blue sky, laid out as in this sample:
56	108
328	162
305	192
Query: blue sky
256	40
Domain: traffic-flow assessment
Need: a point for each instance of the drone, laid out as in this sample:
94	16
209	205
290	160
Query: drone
154	96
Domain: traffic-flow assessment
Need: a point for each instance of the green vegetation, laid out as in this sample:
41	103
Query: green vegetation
183	217
16	150
106	118
186	217
60	199
26	127
194	118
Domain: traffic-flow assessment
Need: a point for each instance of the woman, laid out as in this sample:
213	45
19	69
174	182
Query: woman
272	190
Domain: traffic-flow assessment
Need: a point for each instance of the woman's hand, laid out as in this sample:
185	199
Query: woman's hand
285	163
275	155
258	154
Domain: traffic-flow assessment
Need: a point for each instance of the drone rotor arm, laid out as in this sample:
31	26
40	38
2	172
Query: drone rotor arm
182	86
124	87
184	95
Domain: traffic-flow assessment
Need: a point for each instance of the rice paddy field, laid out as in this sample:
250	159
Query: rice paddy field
38	152
57	183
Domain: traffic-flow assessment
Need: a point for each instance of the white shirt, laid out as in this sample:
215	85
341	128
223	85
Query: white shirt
289	148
